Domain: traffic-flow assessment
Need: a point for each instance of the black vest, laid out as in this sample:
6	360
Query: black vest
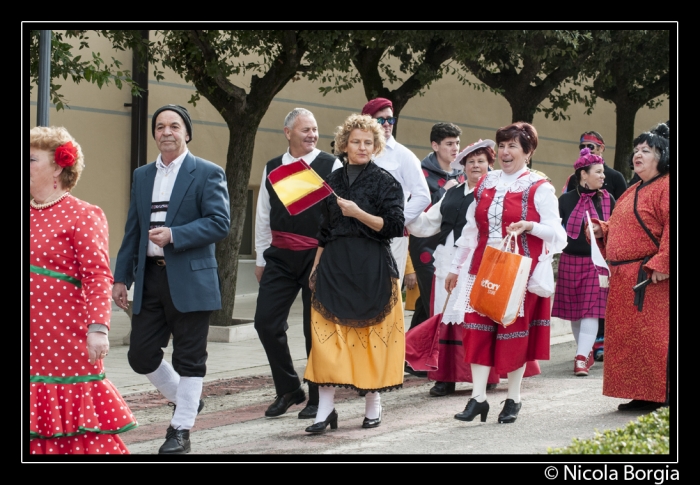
454	212
305	223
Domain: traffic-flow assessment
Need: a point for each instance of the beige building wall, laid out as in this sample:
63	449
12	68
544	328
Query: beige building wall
101	123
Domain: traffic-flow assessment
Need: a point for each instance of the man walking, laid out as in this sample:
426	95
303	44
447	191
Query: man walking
400	162
179	209
286	247
444	139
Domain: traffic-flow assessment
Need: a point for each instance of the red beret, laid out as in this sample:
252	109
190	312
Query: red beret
377	104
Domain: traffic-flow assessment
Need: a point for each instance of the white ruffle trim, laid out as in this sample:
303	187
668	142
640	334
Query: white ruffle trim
520	184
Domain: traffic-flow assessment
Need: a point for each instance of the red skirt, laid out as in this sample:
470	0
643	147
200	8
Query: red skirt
509	348
83	444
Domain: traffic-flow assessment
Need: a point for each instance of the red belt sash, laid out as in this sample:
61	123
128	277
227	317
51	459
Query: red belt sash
294	242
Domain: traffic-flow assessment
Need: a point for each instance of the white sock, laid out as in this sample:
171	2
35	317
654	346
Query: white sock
166	380
576	329
326	397
480	377
515	378
587	335
373	405
189	392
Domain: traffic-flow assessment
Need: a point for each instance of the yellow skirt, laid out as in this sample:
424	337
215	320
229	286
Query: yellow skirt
370	358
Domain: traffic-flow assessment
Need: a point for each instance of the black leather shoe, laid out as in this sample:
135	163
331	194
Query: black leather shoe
372	423
282	403
309	412
640	405
442	389
473	409
417	373
321	426
177	442
510	411
199	408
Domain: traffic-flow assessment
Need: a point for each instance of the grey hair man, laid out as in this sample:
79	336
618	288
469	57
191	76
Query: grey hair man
286	247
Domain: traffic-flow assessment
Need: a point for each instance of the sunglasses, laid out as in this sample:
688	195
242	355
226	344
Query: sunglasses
590	146
391	120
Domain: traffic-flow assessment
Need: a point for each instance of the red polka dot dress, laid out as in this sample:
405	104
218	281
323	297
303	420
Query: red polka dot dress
74	409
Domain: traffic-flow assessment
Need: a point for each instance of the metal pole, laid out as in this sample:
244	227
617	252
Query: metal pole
139	109
42	103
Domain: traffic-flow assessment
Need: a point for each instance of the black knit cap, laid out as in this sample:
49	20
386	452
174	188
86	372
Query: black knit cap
181	110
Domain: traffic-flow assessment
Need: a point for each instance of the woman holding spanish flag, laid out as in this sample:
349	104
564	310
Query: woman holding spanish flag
357	314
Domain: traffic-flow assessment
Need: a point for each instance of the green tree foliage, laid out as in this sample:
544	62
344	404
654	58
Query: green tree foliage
526	67
407	61
88	66
648	435
631	70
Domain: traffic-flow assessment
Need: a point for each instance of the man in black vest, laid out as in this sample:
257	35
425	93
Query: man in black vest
286	248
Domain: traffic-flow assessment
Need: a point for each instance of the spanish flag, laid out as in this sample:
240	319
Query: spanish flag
298	186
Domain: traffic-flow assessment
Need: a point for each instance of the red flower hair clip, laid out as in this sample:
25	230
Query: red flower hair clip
66	154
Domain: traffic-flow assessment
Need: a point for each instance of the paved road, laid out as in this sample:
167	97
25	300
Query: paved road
557	406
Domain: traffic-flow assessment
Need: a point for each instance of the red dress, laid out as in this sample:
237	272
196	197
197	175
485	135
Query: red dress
637	342
74	409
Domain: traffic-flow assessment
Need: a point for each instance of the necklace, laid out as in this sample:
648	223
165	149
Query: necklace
48	204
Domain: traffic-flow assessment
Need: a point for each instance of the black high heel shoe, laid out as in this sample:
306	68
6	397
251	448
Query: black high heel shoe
321	426
510	411
473	409
372	423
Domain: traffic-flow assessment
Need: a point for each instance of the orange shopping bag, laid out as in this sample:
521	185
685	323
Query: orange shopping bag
501	282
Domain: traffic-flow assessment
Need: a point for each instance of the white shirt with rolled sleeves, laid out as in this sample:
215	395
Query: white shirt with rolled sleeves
400	162
263	233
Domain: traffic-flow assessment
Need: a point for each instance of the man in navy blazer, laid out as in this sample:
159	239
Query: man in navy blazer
179	209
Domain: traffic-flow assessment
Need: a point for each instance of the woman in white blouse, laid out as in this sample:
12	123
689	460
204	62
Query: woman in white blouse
511	200
447	218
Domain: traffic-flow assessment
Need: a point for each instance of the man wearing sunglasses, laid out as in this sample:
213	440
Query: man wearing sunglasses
400	162
615	182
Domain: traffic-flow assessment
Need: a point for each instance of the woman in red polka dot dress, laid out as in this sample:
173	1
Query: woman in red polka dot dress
74	409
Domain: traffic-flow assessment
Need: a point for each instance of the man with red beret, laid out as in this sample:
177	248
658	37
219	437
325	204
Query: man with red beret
400	162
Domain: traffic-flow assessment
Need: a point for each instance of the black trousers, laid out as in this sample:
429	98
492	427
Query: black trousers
158	319
286	272
424	277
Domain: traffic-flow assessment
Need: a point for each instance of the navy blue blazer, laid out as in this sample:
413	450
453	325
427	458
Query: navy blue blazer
198	216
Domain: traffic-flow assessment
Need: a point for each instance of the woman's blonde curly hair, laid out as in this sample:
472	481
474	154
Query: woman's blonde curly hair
358	122
51	137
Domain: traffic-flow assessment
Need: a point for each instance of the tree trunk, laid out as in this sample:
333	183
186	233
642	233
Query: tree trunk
243	114
626	112
238	165
522	112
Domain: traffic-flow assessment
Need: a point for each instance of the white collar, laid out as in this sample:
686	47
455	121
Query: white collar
308	158
171	166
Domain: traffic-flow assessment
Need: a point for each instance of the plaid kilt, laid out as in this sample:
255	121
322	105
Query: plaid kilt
578	294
